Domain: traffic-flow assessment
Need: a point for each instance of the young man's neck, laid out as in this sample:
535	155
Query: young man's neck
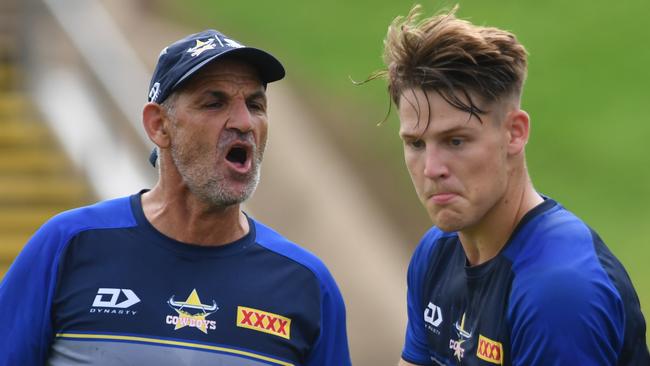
485	240
186	219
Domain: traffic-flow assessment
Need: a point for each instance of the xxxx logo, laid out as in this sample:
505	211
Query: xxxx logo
263	321
489	350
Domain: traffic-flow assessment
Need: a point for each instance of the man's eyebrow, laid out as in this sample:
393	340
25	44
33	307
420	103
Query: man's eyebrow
260	94
410	134
217	94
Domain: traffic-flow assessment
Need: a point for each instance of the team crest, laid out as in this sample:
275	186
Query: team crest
192	313
201	47
463	336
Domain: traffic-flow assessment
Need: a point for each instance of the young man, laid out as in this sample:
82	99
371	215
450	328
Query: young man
179	274
506	276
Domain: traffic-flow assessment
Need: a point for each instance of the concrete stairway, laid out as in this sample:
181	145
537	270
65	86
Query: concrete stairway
36	178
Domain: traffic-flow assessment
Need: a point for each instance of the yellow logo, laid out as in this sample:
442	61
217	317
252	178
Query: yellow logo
201	47
489	350
263	321
192	313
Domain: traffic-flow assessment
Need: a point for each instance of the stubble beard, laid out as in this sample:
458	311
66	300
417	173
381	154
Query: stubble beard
211	185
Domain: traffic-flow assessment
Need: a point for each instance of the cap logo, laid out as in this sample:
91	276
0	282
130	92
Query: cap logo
154	92
201	47
233	44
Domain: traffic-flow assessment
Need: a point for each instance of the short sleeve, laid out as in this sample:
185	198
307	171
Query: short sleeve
26	294
565	316
416	349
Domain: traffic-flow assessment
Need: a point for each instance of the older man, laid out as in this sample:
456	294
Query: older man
179	275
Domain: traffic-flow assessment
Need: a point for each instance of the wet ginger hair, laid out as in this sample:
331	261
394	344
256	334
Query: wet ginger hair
453	57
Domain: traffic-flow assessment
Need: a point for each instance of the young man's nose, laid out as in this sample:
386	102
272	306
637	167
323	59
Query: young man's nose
435	165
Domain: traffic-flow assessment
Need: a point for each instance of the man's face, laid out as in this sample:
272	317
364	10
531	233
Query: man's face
218	132
458	164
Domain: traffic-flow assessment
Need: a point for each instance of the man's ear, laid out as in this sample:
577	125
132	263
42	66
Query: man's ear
518	124
155	124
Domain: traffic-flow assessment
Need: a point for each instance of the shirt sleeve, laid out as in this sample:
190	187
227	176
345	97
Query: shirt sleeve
565	316
26	294
331	348
416	349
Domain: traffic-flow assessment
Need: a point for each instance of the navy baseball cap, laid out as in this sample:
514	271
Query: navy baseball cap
185	57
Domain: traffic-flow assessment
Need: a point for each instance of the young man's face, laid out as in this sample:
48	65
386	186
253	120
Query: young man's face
458	164
218	132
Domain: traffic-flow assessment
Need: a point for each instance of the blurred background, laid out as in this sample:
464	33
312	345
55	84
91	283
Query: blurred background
74	75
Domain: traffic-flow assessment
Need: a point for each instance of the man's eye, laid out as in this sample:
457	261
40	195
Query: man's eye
215	104
416	144
456	141
256	106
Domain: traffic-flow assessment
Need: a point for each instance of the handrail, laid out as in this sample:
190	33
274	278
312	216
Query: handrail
77	111
105	49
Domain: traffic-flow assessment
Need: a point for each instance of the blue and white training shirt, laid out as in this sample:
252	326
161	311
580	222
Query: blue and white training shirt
554	295
100	286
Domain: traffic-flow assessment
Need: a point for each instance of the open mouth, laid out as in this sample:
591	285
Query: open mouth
239	156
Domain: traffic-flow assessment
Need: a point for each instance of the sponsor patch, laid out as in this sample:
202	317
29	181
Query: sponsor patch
433	317
115	301
489	350
263	321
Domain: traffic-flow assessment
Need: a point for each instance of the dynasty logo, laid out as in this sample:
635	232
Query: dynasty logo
192	313
114	301
263	321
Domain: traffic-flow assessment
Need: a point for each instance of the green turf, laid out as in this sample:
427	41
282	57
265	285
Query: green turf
586	93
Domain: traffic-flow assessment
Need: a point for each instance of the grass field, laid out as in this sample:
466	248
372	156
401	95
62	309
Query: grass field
587	92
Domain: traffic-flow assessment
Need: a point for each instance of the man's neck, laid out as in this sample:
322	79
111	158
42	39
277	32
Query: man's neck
185	218
485	240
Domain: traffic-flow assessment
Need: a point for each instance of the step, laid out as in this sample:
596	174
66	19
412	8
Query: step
4	267
49	190
21	220
13	103
23	132
33	162
12	244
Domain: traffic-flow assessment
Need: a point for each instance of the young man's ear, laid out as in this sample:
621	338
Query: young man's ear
518	123
154	121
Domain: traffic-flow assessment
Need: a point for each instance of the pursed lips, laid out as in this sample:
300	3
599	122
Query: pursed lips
442	198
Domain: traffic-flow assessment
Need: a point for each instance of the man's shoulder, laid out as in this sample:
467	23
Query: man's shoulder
552	239
434	241
111	213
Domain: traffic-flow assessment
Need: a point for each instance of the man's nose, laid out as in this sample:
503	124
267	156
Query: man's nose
435	165
240	117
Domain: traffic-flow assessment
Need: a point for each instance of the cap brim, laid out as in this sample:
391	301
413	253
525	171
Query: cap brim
268	67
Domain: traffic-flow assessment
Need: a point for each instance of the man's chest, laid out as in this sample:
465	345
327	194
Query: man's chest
465	314
220	310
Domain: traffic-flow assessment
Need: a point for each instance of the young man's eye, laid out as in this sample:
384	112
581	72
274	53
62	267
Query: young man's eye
456	141
416	144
